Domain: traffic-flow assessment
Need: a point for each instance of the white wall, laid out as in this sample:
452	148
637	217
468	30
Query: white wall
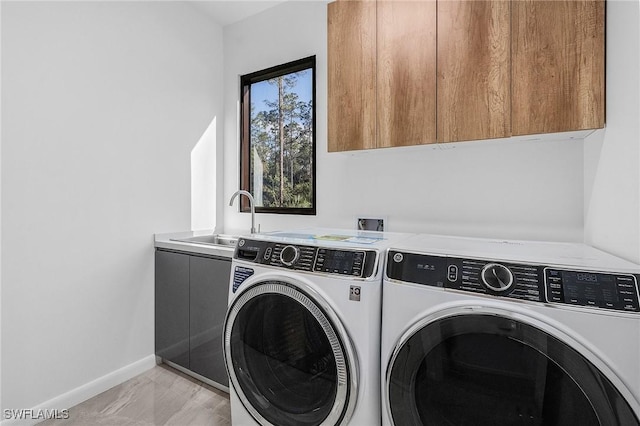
1	405
611	156
102	103
509	189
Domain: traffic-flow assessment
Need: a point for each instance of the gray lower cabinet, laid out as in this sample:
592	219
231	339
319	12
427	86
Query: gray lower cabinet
191	302
172	307
209	279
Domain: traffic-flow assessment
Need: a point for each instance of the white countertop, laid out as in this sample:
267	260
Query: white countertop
325	236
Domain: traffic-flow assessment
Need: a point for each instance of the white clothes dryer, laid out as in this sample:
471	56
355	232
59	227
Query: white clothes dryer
302	331
482	332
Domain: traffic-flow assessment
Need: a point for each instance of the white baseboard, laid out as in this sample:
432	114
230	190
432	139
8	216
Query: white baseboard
82	393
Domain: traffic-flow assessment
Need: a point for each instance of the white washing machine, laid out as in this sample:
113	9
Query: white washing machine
302	331
481	332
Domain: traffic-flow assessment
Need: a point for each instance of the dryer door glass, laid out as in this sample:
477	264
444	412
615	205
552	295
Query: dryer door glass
489	370
284	357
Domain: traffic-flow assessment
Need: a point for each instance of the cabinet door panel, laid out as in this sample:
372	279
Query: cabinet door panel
473	70
558	66
351	75
406	72
208	300
172	307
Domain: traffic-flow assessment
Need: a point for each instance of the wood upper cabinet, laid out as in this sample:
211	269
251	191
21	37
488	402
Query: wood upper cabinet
473	70
406	72
409	72
557	66
351	75
381	73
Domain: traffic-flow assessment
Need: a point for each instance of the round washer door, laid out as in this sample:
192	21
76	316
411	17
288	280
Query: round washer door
482	369
289	357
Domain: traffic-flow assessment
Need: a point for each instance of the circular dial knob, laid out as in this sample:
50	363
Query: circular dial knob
497	277
289	255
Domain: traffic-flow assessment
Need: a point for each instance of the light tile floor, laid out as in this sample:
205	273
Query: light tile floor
160	396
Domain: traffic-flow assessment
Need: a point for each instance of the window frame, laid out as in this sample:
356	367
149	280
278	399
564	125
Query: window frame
245	133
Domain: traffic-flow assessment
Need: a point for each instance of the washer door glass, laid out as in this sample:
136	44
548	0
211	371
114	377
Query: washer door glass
284	357
489	370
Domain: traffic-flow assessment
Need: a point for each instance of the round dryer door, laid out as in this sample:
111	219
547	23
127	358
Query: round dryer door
289	357
490	370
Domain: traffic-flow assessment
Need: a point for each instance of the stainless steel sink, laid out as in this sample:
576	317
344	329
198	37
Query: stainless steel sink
214	240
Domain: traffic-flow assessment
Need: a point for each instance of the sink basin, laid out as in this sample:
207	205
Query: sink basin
214	240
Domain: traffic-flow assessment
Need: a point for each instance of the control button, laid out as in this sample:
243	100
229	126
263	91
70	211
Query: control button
267	253
497	277
452	273
289	255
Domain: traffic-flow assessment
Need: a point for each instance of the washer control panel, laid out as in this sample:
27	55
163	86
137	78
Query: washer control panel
536	283
351	262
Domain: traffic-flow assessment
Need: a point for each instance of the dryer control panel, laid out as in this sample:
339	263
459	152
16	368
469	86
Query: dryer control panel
536	283
587	288
327	260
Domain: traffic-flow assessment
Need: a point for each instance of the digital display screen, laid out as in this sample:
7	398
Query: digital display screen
339	260
588	288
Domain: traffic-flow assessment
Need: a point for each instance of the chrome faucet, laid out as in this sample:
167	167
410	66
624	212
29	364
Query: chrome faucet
251	204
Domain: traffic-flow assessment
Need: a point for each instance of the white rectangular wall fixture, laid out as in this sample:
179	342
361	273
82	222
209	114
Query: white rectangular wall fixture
369	223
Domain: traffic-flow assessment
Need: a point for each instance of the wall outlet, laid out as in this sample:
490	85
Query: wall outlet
369	224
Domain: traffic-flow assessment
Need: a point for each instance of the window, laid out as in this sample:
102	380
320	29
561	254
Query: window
277	138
